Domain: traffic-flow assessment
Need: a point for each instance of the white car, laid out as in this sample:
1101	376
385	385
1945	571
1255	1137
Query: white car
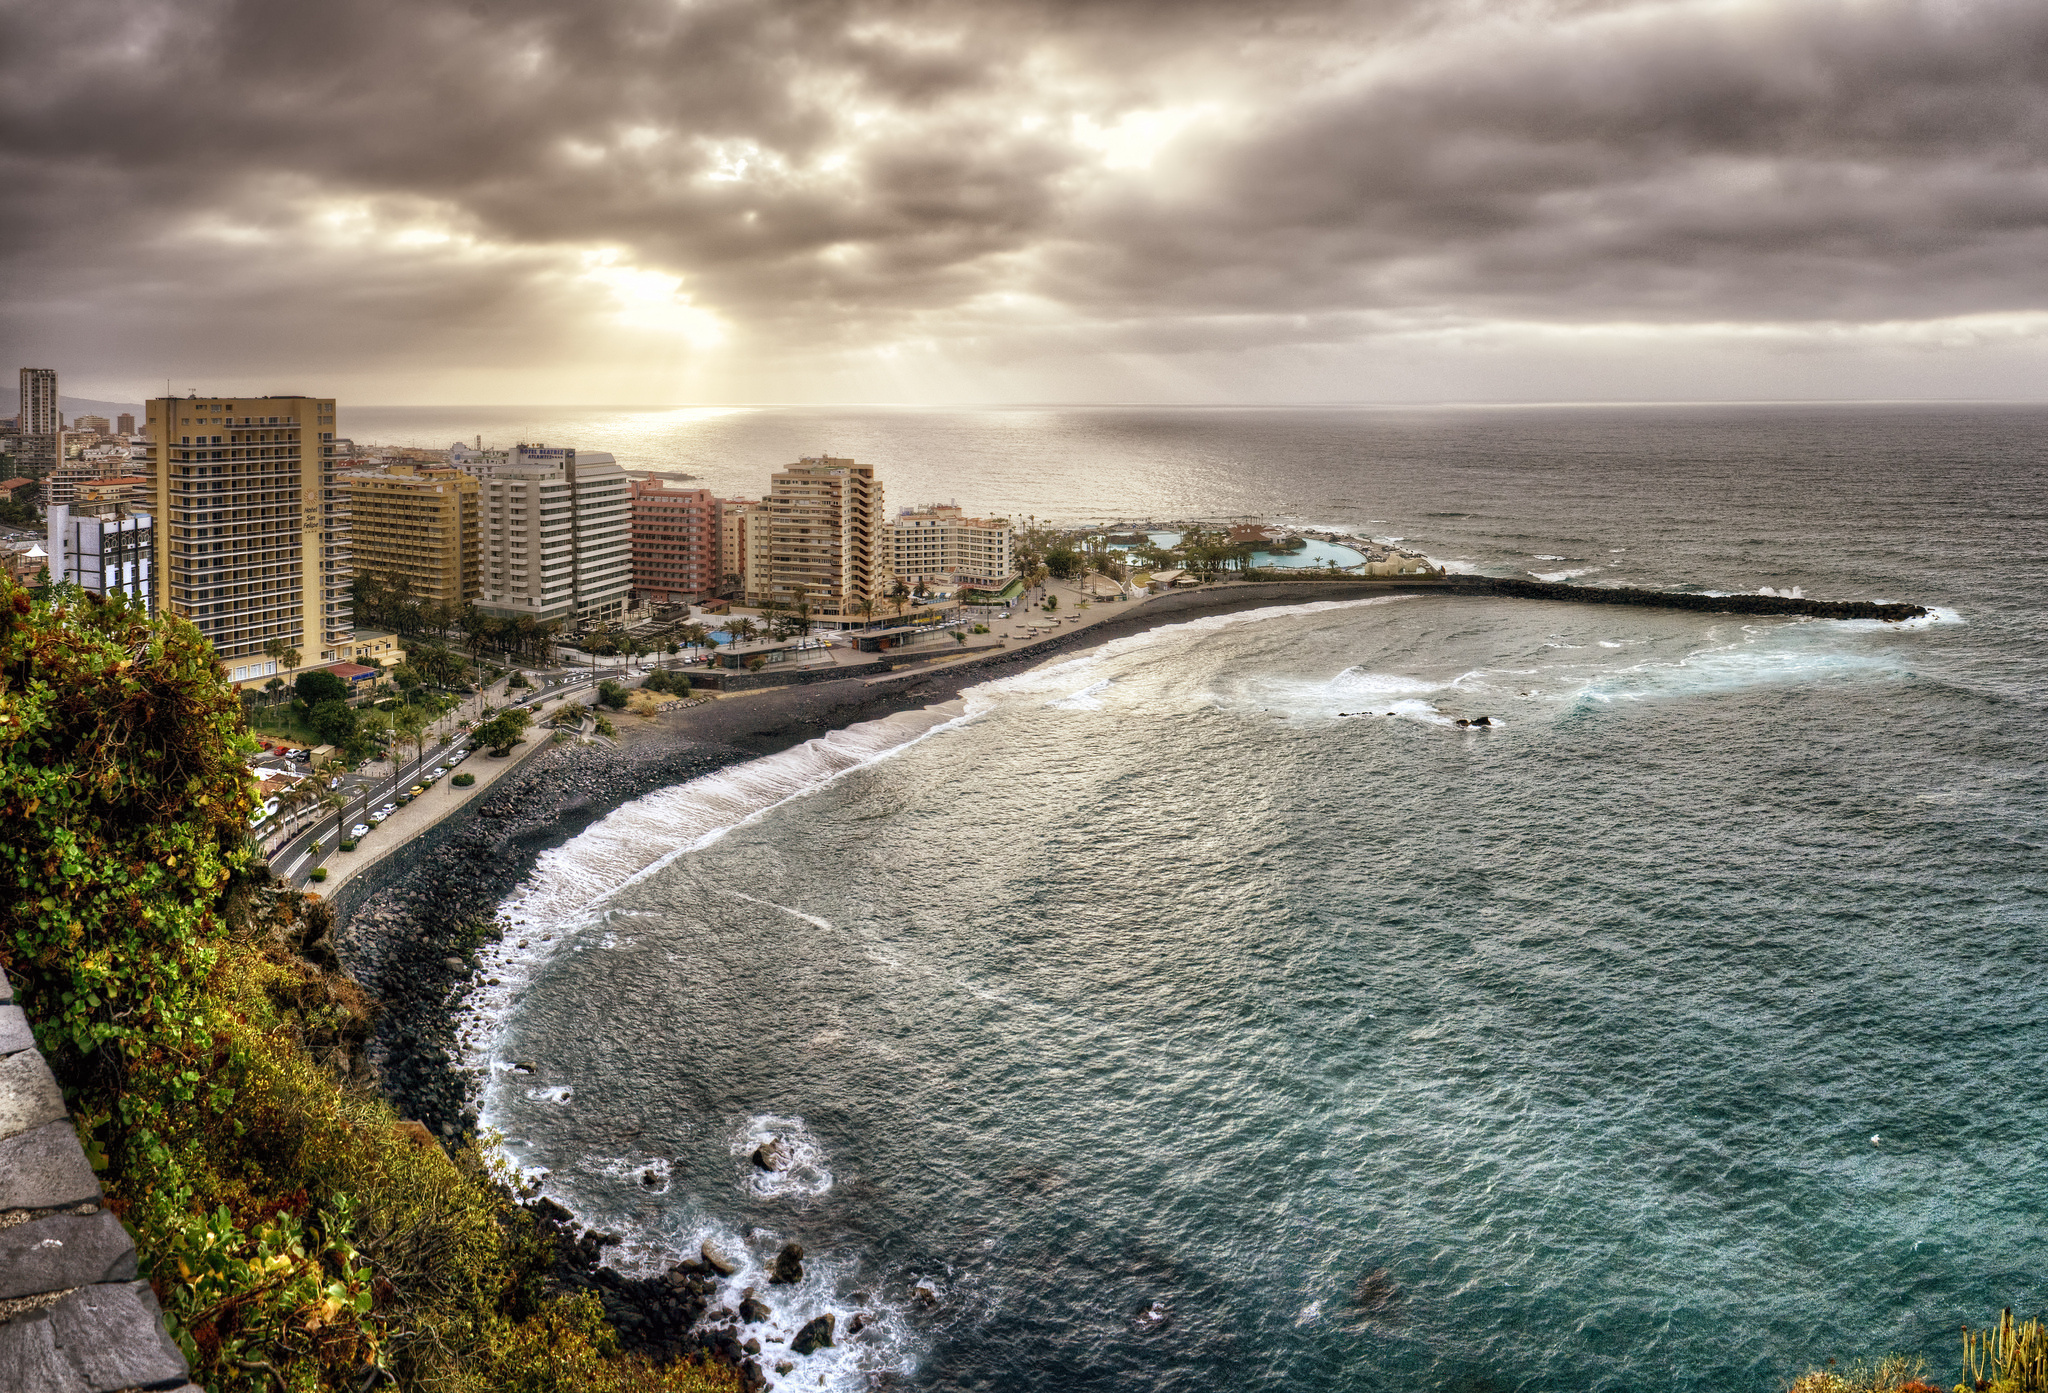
439	770
381	814
360	830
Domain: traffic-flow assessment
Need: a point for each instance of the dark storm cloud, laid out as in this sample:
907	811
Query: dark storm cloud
404	180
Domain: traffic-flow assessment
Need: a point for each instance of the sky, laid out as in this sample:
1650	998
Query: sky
938	201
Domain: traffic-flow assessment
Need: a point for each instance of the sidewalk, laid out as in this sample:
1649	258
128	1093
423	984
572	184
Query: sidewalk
425	811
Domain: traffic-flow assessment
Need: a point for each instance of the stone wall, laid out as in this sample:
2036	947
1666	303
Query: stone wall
73	1317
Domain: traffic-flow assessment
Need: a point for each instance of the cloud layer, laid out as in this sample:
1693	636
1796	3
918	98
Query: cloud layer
651	200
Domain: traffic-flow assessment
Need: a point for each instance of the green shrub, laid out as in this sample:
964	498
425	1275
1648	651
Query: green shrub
612	694
298	1236
317	873
463	780
348	844
517	682
605	726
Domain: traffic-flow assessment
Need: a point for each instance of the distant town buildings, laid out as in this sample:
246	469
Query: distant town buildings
418	528
39	427
556	532
124	424
95	425
823	548
251	534
675	541
940	544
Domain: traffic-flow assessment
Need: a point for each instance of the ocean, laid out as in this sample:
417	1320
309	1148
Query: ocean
1208	1010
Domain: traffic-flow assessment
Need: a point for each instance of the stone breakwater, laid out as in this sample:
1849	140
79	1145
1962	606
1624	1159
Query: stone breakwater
74	1318
1673	599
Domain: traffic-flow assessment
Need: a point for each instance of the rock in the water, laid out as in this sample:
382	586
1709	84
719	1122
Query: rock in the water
717	1261
858	1323
753	1310
788	1268
771	1155
925	1296
752	1346
783	1366
1482	720
816	1334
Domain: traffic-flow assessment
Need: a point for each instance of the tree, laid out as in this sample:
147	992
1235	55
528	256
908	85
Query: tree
333	721
741	630
272	688
318	685
502	731
411	723
1065	563
867	611
899	596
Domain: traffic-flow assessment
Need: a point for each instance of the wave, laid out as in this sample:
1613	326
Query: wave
801	1174
1553	577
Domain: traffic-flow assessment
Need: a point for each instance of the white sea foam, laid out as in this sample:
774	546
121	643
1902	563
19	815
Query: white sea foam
1555	576
1546	558
1087	699
804	1174
1355	682
792	913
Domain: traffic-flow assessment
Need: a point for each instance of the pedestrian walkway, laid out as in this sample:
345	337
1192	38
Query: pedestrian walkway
73	1317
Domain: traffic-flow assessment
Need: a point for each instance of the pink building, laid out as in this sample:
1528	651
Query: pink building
675	541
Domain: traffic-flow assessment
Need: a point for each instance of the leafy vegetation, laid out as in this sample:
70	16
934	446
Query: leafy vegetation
463	780
300	1237
502	731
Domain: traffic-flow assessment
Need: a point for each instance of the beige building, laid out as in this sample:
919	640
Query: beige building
823	525
252	528
740	536
939	544
418	529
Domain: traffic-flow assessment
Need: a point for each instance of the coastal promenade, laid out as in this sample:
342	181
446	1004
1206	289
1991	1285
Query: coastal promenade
74	1318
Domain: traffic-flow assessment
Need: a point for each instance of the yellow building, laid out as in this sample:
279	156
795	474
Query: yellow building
252	535
823	539
417	528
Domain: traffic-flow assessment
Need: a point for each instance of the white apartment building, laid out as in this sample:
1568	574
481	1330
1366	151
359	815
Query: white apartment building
557	532
104	556
938	544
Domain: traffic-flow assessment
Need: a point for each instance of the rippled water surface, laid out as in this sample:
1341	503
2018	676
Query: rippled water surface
1209	1011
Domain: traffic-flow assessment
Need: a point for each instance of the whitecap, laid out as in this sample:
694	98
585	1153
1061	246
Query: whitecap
1553	577
1087	699
803	1176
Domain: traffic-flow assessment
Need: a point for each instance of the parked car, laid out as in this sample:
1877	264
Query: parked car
416	790
381	814
439	770
360	830
299	756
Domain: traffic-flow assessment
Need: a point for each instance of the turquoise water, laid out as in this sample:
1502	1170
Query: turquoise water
1312	553
1182	1027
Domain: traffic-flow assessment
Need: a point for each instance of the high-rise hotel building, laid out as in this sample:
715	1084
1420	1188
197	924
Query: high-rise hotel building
823	539
675	541
251	528
40	434
418	529
557	532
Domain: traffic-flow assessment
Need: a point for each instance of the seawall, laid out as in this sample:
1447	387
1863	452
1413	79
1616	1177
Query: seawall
1672	599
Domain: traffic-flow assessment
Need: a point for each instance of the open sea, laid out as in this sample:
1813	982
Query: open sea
1176	1026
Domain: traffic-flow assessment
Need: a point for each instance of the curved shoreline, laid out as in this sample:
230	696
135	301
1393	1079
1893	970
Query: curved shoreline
407	929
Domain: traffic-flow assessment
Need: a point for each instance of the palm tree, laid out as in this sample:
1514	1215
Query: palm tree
412	725
899	596
741	630
867	611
